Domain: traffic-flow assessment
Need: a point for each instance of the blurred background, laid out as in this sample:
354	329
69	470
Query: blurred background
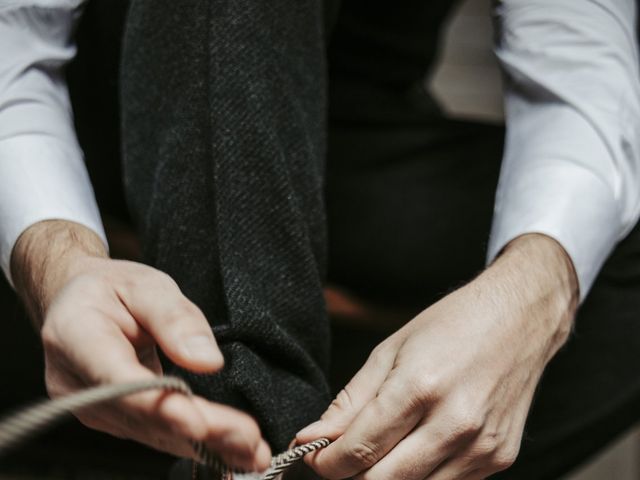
466	83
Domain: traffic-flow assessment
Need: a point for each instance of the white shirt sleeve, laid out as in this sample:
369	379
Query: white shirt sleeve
571	167
42	172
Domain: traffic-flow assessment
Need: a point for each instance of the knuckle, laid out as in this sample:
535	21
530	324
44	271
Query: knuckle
413	393
142	278
469	426
381	353
49	336
56	380
486	446
343	400
129	283
426	387
466	425
501	463
89	420
504	458
406	395
161	279
149	277
53	344
363	455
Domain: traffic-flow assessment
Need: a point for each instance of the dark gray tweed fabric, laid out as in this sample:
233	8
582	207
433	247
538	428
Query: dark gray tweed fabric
223	137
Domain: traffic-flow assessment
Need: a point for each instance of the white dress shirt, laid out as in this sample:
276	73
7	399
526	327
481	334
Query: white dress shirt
571	168
42	172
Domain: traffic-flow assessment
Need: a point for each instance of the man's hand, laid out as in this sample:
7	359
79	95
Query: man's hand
446	397
101	321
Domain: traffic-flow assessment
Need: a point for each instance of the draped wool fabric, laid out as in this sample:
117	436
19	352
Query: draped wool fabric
223	175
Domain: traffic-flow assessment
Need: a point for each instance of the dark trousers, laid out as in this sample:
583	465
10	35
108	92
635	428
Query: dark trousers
253	188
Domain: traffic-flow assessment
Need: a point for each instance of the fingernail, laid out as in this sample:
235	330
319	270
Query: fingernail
309	429
202	348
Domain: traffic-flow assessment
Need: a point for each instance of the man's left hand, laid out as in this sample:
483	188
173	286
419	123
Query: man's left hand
446	397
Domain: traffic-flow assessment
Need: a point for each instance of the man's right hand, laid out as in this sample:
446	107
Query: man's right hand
101	322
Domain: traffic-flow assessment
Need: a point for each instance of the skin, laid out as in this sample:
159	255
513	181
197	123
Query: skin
102	321
446	397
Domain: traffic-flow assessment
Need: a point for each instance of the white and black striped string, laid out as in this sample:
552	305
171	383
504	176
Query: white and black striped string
18	427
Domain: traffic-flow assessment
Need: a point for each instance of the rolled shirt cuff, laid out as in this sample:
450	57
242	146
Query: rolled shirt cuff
42	178
574	207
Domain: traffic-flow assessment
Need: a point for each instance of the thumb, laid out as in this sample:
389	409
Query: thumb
176	324
362	388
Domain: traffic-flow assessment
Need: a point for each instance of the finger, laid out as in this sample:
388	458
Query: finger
128	427
99	353
472	475
148	357
475	475
98	350
421	452
162	420
458	466
60	382
234	435
464	465
59	378
481	457
380	425
499	453
231	434
453	468
362	388
179	327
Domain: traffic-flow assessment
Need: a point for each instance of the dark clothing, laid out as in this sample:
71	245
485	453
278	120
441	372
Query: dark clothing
270	147
224	176
224	170
224	140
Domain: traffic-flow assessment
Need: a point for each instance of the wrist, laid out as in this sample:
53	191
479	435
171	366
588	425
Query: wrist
547	265
537	277
46	256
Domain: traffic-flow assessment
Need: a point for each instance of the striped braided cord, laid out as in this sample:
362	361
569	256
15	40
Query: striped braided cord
284	460
16	428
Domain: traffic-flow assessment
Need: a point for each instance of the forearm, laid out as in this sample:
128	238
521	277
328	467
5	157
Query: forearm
45	256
